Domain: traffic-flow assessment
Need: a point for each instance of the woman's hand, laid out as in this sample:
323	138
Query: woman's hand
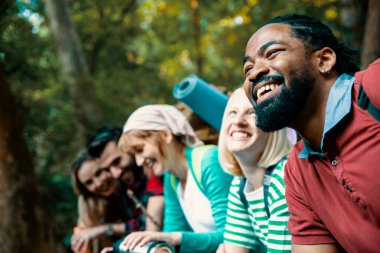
107	250
81	239
140	238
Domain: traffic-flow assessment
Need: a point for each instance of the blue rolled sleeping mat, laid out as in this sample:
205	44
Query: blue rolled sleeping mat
203	99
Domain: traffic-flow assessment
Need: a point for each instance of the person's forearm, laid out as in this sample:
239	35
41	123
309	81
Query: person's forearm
114	229
231	248
155	209
315	248
109	229
200	242
175	238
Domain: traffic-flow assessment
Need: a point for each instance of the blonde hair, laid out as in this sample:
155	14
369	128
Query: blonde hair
276	148
152	135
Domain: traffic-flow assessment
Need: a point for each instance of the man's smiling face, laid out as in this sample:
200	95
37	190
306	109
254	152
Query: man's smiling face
278	76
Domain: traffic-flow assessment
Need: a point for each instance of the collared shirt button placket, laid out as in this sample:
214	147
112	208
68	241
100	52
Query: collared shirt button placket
337	172
349	189
343	182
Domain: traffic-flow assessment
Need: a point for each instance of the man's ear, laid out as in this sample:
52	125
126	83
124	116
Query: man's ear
167	136
326	60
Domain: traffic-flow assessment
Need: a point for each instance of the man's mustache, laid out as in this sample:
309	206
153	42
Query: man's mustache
267	78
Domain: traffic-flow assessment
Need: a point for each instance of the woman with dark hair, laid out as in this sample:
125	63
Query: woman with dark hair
101	204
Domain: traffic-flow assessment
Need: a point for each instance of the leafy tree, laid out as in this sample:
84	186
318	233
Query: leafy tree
23	227
371	43
75	69
136	50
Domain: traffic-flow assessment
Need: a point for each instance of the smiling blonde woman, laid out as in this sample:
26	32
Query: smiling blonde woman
257	213
195	185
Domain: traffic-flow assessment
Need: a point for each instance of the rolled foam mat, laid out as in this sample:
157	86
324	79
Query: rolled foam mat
204	100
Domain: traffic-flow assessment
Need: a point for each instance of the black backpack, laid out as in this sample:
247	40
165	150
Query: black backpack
365	104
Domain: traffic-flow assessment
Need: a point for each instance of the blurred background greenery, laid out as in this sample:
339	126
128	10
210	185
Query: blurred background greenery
134	51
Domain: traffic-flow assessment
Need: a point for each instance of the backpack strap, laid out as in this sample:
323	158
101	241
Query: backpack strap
243	198
365	104
267	179
194	158
241	192
173	182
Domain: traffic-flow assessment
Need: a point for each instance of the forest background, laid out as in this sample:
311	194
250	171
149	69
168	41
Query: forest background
68	66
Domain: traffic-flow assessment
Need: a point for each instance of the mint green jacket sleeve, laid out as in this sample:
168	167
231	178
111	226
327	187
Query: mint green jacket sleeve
216	185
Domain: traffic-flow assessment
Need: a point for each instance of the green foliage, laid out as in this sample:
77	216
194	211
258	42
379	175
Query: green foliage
136	51
57	189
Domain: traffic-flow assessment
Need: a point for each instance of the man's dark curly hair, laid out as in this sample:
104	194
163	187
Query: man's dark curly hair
317	35
103	136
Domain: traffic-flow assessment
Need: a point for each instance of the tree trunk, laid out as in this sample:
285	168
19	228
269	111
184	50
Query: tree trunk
75	69
22	217
353	14
196	23
371	44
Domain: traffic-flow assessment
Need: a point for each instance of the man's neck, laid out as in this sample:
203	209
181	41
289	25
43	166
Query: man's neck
311	121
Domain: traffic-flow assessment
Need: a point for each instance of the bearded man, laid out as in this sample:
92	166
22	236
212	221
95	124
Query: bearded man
298	75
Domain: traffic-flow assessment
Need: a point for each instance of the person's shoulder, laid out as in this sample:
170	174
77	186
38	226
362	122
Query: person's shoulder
208	148
296	150
203	160
210	165
294	153
201	156
204	149
369	79
209	153
369	73
375	63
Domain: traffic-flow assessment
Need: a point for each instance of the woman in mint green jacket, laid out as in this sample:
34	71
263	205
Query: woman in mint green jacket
195	188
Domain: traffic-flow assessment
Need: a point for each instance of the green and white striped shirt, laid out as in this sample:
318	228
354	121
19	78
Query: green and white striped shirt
247	228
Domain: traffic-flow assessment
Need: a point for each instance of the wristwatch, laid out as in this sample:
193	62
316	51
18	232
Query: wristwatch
109	231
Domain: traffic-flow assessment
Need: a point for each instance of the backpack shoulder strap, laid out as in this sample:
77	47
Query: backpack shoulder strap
242	196
243	199
194	158
173	182
365	104
267	179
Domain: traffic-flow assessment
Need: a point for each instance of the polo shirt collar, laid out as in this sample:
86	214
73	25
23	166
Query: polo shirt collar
338	106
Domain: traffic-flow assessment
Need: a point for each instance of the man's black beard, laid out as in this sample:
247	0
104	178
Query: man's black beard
282	109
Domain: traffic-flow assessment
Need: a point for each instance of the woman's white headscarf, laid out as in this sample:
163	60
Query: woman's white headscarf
162	117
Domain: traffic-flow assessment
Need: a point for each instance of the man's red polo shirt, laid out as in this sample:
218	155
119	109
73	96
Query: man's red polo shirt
335	197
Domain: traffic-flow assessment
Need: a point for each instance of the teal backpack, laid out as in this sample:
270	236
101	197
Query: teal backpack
195	158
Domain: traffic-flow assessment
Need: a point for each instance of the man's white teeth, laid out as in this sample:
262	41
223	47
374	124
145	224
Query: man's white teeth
262	90
239	135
